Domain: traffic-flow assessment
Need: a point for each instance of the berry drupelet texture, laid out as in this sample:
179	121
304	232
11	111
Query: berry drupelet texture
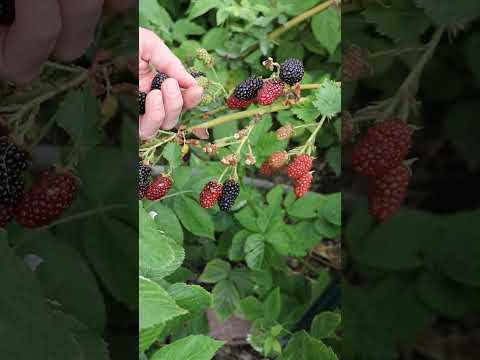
278	160
210	194
388	192
270	91
248	89
51	194
144	173
234	103
291	71
301	165
383	148
158	188
302	184
230	192
142	97
158	81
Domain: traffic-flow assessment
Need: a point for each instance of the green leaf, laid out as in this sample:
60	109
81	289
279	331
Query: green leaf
273	305
200	7
148	336
192	298
325	324
255	251
156	306
167	222
446	13
304	347
307	112
159	255
306	207
172	153
225	299
331	208
334	159
326	27
328	99
184	27
215	271
250	308
193	217
75	286
215	38
247	218
390	21
78	115
237	250
194	347
27	315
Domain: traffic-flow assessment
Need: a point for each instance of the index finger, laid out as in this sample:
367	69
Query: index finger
155	52
34	32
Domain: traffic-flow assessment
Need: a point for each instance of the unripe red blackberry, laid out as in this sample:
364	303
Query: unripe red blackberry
142	97
248	89
291	71
230	192
301	165
234	103
383	148
278	159
270	91
158	80
302	184
158	188
210	194
388	192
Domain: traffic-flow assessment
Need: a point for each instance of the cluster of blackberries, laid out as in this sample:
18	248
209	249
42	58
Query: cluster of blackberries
13	162
225	194
152	189
255	90
7	12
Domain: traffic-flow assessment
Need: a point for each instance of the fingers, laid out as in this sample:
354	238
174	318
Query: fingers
173	102
153	51
27	44
79	19
192	97
154	115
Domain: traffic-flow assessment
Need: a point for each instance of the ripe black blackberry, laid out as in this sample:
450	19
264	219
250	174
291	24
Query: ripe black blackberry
144	172
291	71
142	97
197	74
230	192
11	190
248	89
13	159
158	80
7	12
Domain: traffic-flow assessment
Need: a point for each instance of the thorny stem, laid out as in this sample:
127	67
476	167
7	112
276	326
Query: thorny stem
241	115
395	52
311	140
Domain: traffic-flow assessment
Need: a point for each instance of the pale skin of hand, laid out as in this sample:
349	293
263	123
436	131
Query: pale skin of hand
62	29
179	92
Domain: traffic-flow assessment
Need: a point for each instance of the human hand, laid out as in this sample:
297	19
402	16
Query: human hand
63	29
179	92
